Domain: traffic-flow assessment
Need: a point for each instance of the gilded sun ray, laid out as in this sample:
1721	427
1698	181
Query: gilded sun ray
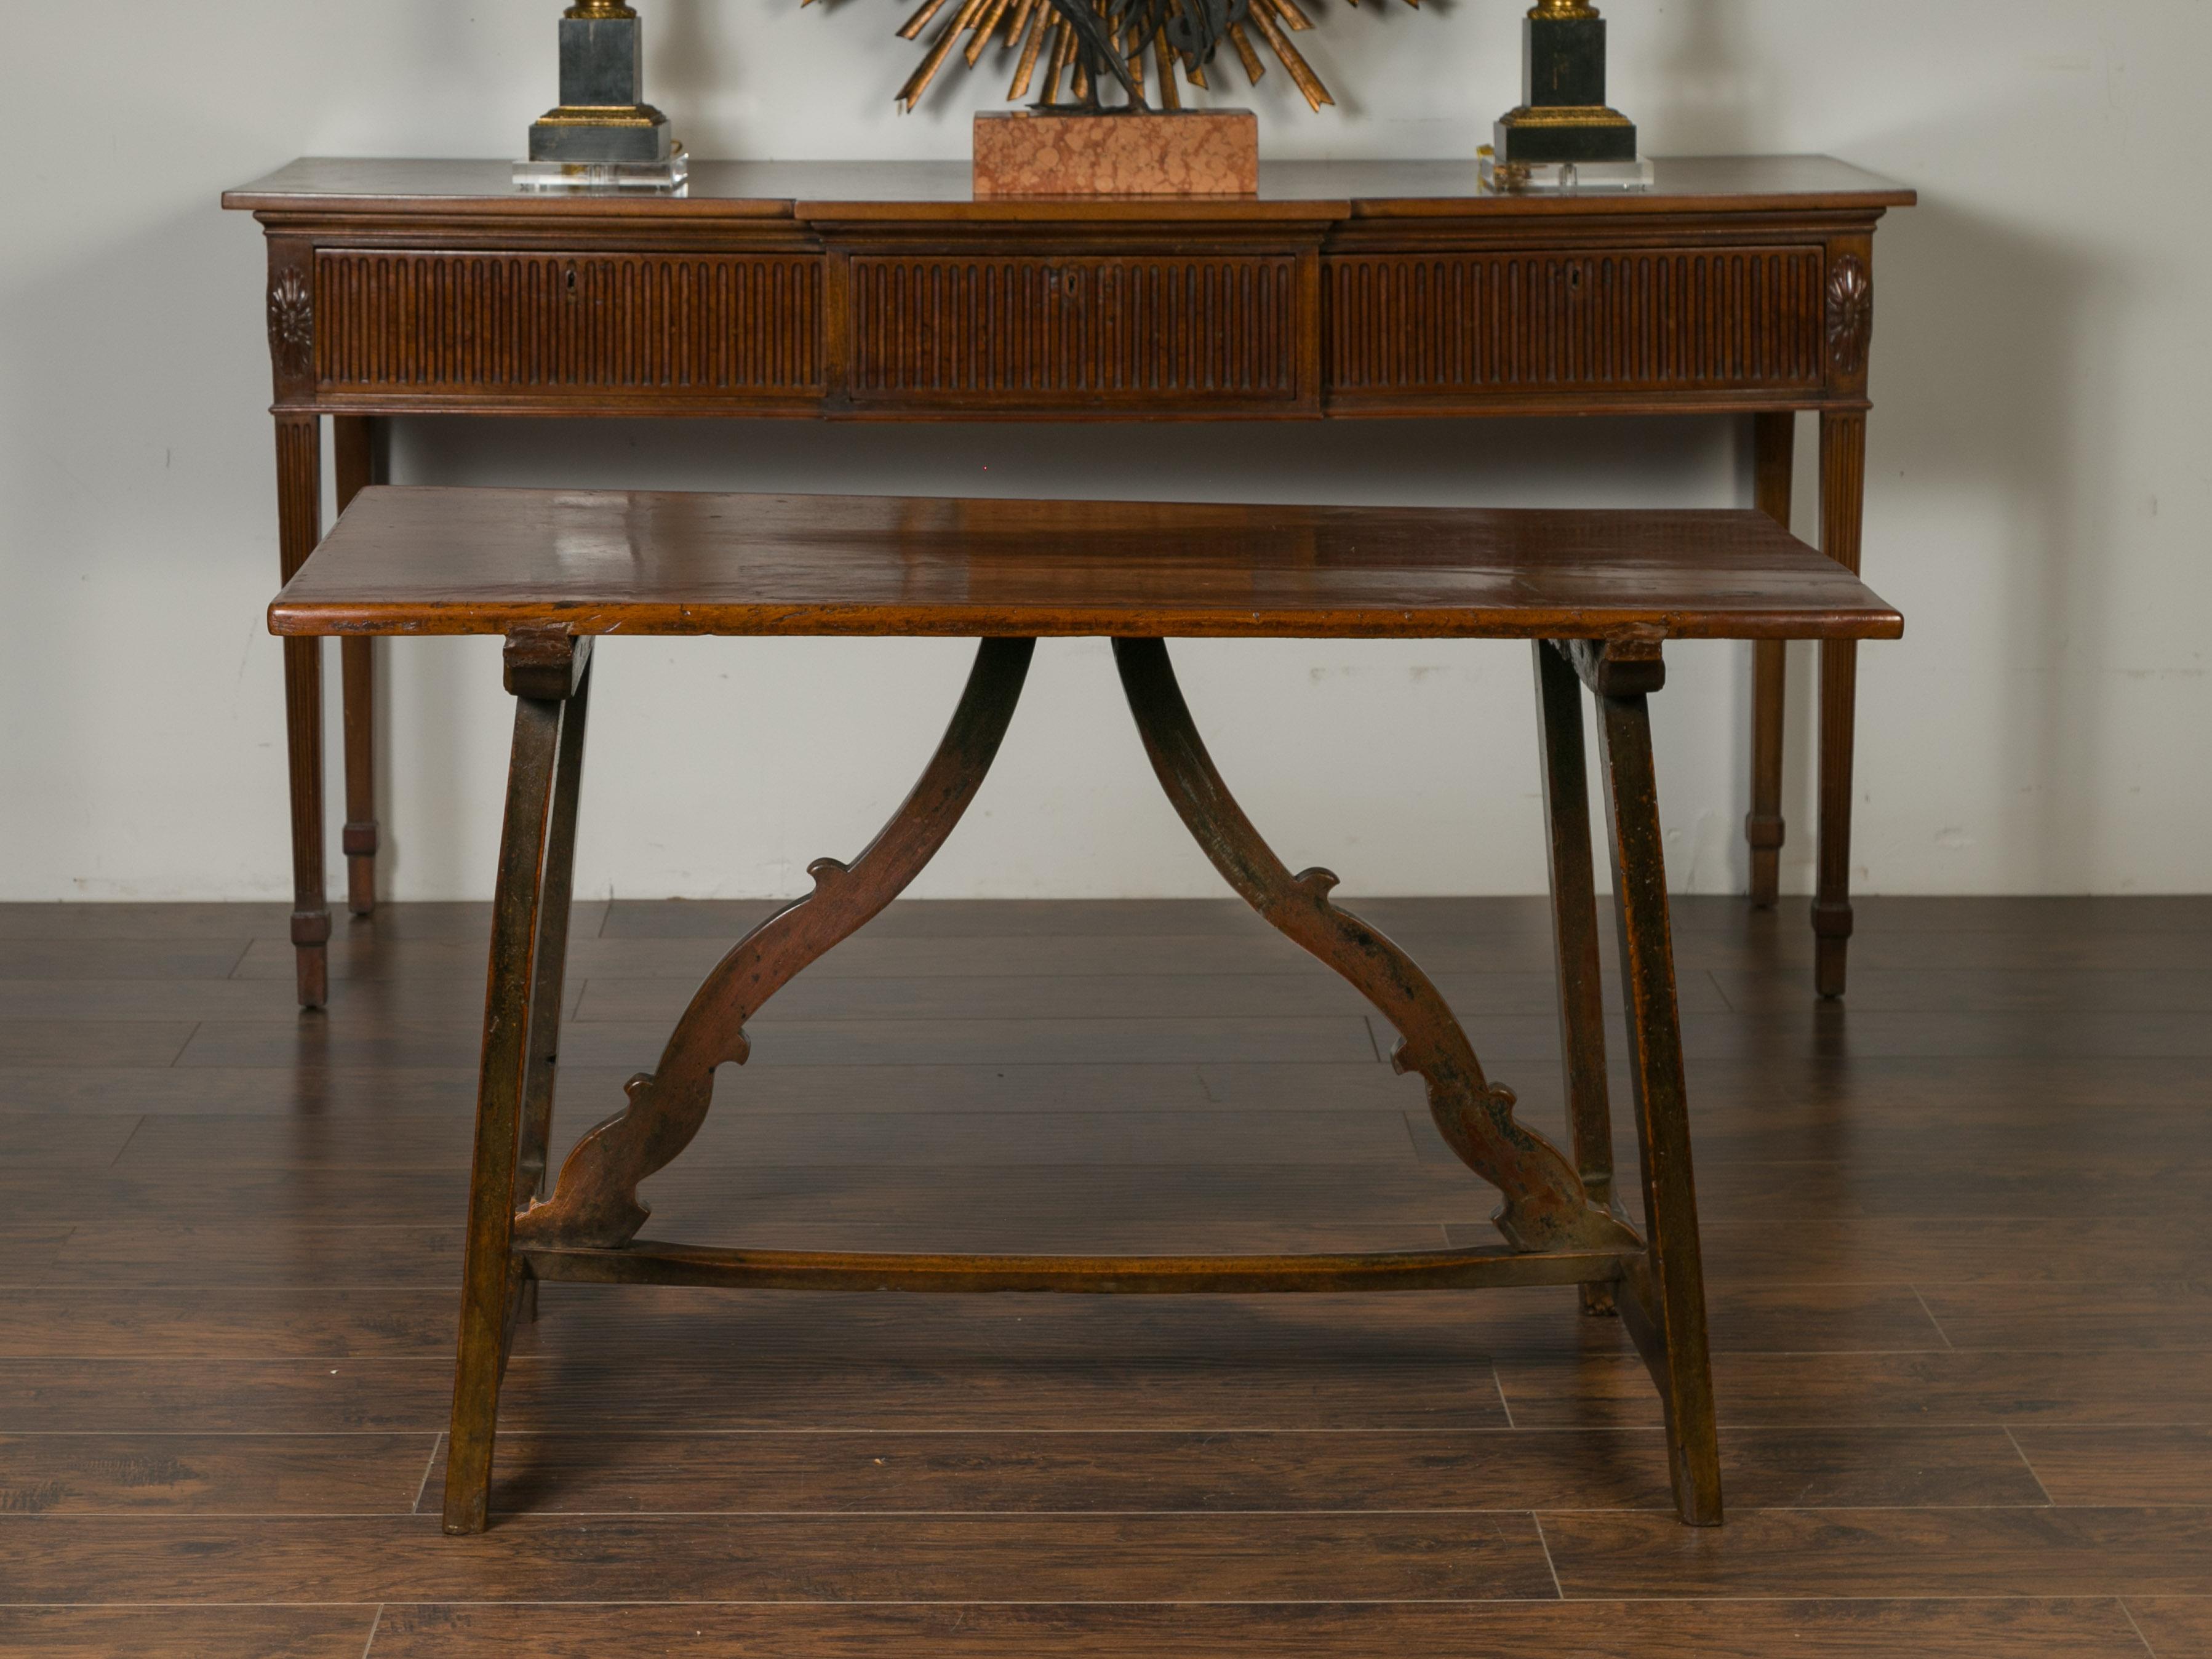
1065	53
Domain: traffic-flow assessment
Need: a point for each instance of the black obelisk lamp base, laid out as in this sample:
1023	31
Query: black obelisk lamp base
604	131
1564	116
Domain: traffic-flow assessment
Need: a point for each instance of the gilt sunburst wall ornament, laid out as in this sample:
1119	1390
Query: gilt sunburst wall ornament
1053	46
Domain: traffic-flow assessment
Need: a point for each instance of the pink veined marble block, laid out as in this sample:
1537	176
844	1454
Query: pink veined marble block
1214	152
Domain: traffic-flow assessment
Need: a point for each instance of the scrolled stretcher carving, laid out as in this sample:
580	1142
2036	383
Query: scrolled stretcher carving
595	1203
1546	1206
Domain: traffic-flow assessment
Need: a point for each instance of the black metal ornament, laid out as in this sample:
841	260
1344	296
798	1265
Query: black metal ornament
1194	28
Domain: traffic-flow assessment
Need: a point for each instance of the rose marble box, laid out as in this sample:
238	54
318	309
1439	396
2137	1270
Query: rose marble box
1213	152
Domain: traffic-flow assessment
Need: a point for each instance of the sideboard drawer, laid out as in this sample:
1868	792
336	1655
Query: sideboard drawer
1405	327
557	330
1139	333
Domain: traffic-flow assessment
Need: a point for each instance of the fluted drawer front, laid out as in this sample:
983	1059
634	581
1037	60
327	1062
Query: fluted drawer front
1631	320
1133	331
550	325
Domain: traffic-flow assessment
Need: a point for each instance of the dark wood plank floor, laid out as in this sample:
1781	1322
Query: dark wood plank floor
1955	1230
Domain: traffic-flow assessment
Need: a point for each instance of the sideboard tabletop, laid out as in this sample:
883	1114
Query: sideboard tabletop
846	190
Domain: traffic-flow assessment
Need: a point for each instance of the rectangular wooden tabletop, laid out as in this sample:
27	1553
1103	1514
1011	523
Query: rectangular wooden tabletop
422	561
844	191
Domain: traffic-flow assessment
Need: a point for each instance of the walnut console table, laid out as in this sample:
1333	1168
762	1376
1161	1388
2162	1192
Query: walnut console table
884	292
1599	594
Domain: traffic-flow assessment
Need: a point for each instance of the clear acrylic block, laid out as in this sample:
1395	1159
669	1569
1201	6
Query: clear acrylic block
668	177
1534	177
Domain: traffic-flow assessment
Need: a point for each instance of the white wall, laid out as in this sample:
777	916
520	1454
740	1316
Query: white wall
2039	496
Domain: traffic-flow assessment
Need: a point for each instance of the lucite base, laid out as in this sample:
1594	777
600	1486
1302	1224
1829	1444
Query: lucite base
670	176
1530	178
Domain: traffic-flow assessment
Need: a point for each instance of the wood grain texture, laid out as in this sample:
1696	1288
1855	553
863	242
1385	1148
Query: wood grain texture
92	1042
2175	1626
1867	1388
89	924
2166	1464
28	1250
436	561
46	959
547	675
1245	1558
360	449
1663	1308
712	329
573	1394
386	1257
219	1475
2138	1316
339	1320
1894	1195
36	1140
1466	322
1006	1134
103	1090
1842	517
2095	1628
842	190
2013	990
300	527
1232	1472
1223	332
1983	971
366	1318
159	999
1047	1195
112	1633
1774	437
1156	994
444	1043
873	1471
2091	1629
897	293
1990	1552
1980	1249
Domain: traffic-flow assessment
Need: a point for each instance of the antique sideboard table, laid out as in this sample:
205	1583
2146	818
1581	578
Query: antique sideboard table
883	291
1599	593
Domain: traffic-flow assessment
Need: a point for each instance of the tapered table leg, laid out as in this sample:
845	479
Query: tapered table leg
550	981
548	972
1574	934
542	673
300	527
1774	439
356	444
1665	1305
1842	505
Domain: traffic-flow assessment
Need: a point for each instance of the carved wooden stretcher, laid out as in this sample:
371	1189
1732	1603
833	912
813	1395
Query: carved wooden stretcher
1598	594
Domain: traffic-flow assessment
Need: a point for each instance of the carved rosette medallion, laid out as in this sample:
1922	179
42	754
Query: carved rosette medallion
292	325
1850	316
